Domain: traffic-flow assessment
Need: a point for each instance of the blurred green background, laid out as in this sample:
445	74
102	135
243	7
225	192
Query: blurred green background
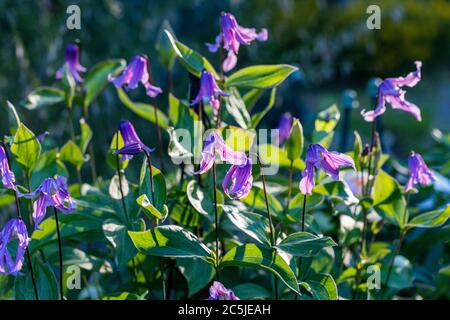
328	40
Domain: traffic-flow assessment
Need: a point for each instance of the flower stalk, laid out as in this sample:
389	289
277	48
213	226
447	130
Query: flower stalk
61	267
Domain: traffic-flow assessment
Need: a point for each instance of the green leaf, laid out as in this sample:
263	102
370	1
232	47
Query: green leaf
159	185
72	154
261	77
256	200
252	97
171	241
257	117
111	158
45	282
190	59
273	156
150	210
143	110
357	150
296	204
324	125
252	255
388	200
26	147
69	86
43	97
322	286
294	144
86	135
252	224
304	244
237	138
124	296
180	114
97	78
430	219
13	118
202	200
236	109
163	46
251	291
117	235
197	272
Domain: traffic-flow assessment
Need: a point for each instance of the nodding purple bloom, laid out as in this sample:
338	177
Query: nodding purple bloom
135	72
218	292
241	180
14	228
285	128
214	144
232	36
132	144
52	192
317	157
72	63
6	174
209	90
391	91
418	172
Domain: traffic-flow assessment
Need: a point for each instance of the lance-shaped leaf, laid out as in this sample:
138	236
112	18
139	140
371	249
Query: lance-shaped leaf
43	97
150	210
86	135
72	154
255	256
261	77
159	185
171	241
143	110
190	59
251	97
163	46
324	125
26	148
97	78
321	285
294	144
258	116
13	118
304	244
357	150
431	219
69	86
236	109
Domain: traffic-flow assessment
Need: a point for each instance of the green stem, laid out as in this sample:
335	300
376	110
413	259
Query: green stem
216	221
291	167
396	252
61	275
302	228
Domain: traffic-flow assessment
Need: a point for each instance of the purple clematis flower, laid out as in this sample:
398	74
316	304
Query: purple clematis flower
6	174
241	180
132	144
209	90
419	172
53	192
285	128
72	63
317	157
135	72
391	91
215	144
232	36
14	228
218	292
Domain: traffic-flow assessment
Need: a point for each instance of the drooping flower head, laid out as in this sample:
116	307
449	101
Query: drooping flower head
6	174
136	71
390	91
132	144
52	192
418	172
317	157
232	35
218	292
209	91
284	127
214	144
241	180
72	63
14	228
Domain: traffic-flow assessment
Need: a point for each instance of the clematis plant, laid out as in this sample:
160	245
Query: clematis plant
241	180
72	63
390	91
8	178
209	91
14	228
132	143
218	292
231	36
418	172
284	127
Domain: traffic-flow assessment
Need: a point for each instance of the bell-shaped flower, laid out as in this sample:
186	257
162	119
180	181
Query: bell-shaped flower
218	292
14	229
418	172
317	157
135	72
391	91
209	91
8	178
72	64
284	128
232	35
132	145
214	144
241	180
52	192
